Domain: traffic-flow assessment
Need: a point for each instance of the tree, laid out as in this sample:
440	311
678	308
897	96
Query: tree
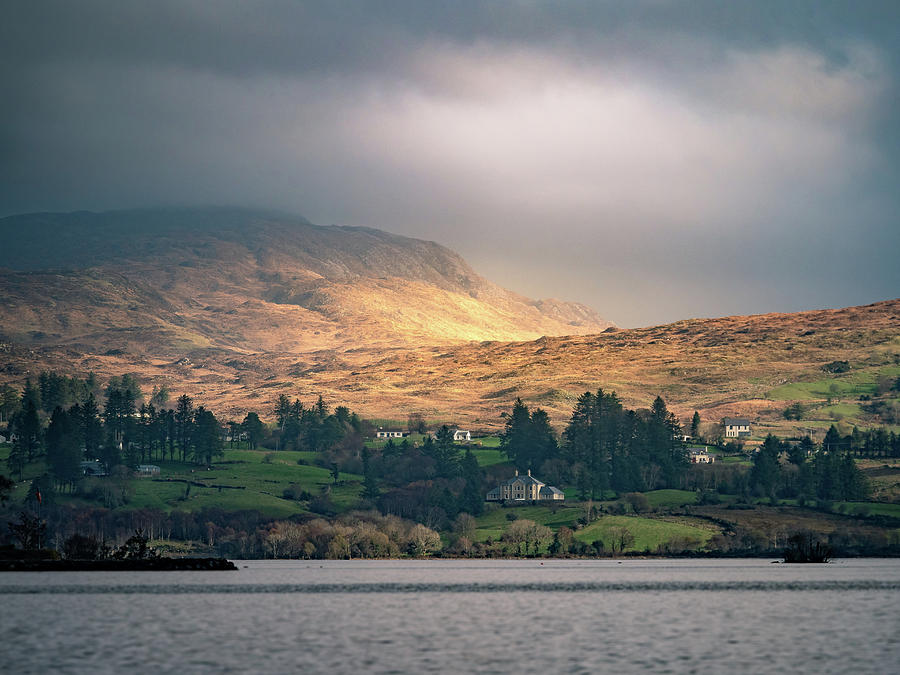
29	531
766	471
253	427
516	437
416	423
6	486
9	403
423	540
64	445
91	427
206	436
282	411
27	429
370	484
160	396
695	426
136	548
233	432
471	499
445	453
184	421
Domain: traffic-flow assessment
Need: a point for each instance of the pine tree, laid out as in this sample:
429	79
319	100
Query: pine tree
64	445
370	483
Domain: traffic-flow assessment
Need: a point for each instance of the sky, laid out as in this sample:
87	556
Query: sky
655	160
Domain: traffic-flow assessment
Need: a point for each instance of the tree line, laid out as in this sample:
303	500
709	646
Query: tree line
604	446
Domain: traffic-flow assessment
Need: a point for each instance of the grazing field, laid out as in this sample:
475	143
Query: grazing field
489	456
649	534
670	498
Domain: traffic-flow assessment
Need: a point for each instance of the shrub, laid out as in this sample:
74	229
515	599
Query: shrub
639	502
837	367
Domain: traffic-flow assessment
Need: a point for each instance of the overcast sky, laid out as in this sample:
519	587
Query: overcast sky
655	160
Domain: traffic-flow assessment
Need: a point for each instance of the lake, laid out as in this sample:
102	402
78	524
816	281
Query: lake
407	616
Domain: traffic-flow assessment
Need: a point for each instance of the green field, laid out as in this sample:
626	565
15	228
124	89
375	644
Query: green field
648	533
242	479
847	385
868	509
670	498
489	456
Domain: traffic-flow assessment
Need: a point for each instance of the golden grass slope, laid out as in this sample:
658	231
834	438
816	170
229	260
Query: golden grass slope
721	367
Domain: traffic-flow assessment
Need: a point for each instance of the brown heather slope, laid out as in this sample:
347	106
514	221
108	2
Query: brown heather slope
160	283
236	307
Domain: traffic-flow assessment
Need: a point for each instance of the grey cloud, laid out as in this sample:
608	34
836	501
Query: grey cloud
654	159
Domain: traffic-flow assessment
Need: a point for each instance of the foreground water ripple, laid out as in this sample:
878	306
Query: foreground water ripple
419	587
457	616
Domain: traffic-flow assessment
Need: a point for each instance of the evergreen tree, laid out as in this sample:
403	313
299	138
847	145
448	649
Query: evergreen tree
184	422
766	471
91	427
515	442
26	426
471	500
370	483
253	427
9	403
64	445
445	453
206	436
695	426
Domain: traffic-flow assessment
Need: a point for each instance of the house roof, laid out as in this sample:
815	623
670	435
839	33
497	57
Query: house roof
737	422
527	480
549	489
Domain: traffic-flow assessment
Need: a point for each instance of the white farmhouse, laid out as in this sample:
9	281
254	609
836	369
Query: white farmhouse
390	433
524	489
700	455
461	435
736	427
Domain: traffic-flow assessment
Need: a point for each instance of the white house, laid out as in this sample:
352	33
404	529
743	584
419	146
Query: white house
461	435
736	427
390	433
524	489
700	455
148	469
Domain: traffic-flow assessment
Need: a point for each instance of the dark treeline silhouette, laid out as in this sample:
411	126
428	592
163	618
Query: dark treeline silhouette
604	446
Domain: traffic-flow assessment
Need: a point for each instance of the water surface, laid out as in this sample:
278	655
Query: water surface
667	616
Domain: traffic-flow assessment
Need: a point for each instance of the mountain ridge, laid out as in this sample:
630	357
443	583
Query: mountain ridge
356	284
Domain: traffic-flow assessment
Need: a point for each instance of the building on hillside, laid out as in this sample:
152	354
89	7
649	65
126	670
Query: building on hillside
524	489
736	427
148	470
700	455
390	433
461	435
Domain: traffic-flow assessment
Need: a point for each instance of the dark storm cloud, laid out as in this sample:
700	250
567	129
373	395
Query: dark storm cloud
653	159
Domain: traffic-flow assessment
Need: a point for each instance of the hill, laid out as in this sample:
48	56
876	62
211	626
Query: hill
236	307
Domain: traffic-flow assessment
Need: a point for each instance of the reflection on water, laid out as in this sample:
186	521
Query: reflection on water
459	616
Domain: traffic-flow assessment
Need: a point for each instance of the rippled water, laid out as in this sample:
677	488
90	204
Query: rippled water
678	616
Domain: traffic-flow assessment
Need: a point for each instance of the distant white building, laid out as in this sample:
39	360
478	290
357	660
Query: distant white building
736	427
700	455
461	435
148	469
390	433
524	489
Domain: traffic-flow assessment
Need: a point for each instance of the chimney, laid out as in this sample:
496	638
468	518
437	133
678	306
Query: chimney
529	473
517	472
